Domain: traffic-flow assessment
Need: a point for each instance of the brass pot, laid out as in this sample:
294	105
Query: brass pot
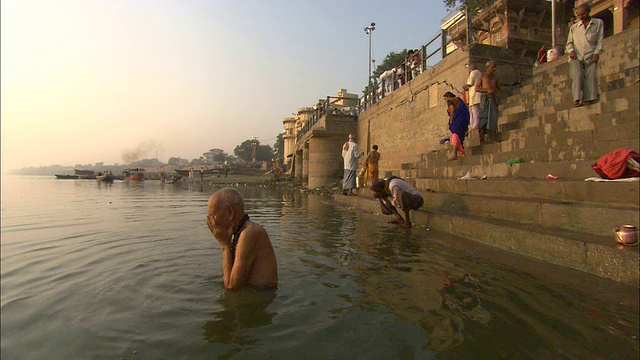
626	235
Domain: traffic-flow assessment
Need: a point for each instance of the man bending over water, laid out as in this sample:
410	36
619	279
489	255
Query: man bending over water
248	258
403	196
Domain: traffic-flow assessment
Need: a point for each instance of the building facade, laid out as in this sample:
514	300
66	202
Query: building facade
523	26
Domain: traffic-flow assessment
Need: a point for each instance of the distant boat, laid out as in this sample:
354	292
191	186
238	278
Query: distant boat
107	178
136	174
61	176
174	178
85	174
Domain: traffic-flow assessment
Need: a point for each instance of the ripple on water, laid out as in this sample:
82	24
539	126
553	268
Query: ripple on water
101	272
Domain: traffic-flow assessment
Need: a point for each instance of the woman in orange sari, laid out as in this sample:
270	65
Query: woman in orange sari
372	163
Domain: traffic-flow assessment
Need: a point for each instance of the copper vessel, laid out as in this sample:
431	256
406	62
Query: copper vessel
627	235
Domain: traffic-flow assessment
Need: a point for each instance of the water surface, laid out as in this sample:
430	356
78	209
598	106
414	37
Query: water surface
130	271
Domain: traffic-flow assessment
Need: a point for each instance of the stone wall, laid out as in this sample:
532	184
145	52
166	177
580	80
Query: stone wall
410	121
617	72
320	150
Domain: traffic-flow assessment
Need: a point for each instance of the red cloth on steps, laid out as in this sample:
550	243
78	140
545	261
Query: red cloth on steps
614	164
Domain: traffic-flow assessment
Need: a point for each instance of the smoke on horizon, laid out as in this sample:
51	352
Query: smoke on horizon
144	149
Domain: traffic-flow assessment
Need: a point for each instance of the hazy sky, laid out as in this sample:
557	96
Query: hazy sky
86	81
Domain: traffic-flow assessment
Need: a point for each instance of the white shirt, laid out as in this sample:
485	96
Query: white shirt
586	41
397	187
474	97
351	156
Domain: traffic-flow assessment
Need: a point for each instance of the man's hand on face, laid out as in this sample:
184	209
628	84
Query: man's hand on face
223	237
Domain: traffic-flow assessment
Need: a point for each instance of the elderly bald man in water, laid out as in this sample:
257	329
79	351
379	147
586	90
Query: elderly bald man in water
248	258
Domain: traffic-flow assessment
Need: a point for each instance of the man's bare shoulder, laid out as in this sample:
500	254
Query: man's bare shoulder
255	231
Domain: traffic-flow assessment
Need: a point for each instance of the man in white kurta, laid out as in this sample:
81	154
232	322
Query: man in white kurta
350	154
584	46
474	97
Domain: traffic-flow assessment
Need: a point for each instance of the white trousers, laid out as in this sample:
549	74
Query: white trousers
585	79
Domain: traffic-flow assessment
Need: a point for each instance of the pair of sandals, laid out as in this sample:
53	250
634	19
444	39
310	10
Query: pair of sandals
579	103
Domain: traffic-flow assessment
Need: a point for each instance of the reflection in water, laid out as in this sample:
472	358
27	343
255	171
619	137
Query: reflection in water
124	268
460	303
472	308
241	311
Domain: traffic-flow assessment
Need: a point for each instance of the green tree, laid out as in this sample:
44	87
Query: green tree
278	147
392	60
219	157
473	5
176	161
264	153
245	151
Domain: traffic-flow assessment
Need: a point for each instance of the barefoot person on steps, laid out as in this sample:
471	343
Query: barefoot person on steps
458	123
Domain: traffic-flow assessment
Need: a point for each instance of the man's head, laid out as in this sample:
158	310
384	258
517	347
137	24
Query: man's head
225	207
376	185
375	147
352	137
471	67
582	12
449	96
491	66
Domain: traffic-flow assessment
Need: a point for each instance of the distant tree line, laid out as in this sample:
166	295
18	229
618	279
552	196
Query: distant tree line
244	151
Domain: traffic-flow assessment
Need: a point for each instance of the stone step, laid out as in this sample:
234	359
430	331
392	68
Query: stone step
610	193
524	106
564	170
582	251
549	135
567	162
598	219
558	91
598	116
583	145
586	252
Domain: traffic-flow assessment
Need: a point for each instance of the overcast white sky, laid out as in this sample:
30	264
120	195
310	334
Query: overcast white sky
86	81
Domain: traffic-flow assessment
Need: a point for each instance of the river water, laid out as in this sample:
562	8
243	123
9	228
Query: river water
130	271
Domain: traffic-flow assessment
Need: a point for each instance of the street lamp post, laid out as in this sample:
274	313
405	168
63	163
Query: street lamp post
368	30
254	143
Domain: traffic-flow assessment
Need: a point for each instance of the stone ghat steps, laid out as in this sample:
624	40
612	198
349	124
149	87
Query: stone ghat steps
594	254
567	134
590	253
587	124
538	140
588	117
592	218
575	134
490	166
612	193
558	95
544	148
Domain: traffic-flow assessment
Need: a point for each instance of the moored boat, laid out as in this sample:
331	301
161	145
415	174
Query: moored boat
136	174
85	174
66	176
107	178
